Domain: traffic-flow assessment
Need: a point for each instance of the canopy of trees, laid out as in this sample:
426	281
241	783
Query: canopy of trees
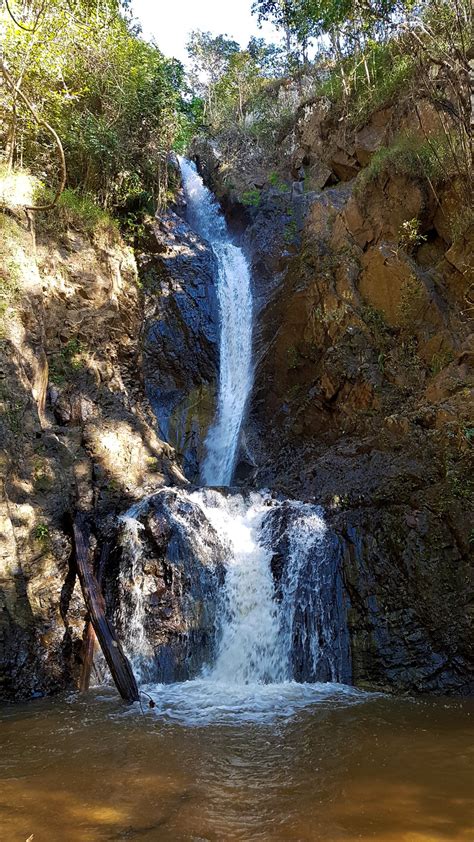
77	74
364	53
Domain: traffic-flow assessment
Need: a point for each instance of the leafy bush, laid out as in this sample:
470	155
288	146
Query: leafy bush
412	156
251	198
390	69
76	210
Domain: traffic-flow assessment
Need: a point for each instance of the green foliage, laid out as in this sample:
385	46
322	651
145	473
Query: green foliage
370	82
10	269
292	357
65	363
374	319
79	211
348	23
118	104
13	414
460	485
290	232
412	156
440	361
277	183
251	198
153	464
462	220
42	534
230	82
409	236
411	296
210	59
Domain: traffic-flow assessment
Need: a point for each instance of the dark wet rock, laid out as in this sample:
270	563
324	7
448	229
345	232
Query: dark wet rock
176	561
181	336
308	576
410	588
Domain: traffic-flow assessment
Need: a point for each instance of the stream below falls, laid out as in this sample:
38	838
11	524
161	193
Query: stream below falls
84	769
232	610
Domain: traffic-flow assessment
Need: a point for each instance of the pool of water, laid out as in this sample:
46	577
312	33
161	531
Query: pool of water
334	766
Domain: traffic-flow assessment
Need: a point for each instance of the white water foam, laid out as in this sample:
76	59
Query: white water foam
235	349
206	702
251	677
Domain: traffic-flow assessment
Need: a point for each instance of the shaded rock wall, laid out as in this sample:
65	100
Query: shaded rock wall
181	333
76	431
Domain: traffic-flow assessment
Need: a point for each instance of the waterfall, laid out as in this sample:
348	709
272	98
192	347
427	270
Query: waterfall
231	605
275	626
235	306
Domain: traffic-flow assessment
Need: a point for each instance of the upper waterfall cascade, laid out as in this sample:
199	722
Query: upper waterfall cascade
235	305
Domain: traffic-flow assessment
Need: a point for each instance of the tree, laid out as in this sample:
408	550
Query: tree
210	56
78	77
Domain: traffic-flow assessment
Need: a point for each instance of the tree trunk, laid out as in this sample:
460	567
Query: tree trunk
119	665
90	637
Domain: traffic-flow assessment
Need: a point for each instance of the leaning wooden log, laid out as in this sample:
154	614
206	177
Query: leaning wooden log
89	643
118	663
87	656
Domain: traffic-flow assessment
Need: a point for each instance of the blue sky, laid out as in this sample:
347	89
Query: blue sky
169	22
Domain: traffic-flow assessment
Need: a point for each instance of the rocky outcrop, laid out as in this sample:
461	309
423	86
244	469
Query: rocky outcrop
178	272
76	431
407	573
364	382
167	592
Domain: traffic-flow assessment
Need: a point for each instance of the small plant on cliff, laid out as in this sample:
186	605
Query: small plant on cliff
42	534
251	198
277	183
292	357
430	159
411	297
9	268
440	361
374	319
290	232
64	363
409	237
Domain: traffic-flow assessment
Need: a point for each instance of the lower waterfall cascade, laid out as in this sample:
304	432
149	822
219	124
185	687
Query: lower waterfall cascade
256	578
278	645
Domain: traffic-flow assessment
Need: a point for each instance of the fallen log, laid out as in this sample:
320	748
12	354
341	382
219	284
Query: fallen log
90	637
87	656
118	663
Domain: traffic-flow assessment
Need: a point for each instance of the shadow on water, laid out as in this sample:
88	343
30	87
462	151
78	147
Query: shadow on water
383	770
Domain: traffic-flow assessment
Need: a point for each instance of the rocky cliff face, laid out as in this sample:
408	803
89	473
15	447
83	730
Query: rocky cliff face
362	402
77	428
181	356
363	389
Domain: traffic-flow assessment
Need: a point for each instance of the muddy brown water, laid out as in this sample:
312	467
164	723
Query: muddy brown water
82	769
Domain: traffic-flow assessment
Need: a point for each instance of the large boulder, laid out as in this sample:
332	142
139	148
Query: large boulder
167	590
